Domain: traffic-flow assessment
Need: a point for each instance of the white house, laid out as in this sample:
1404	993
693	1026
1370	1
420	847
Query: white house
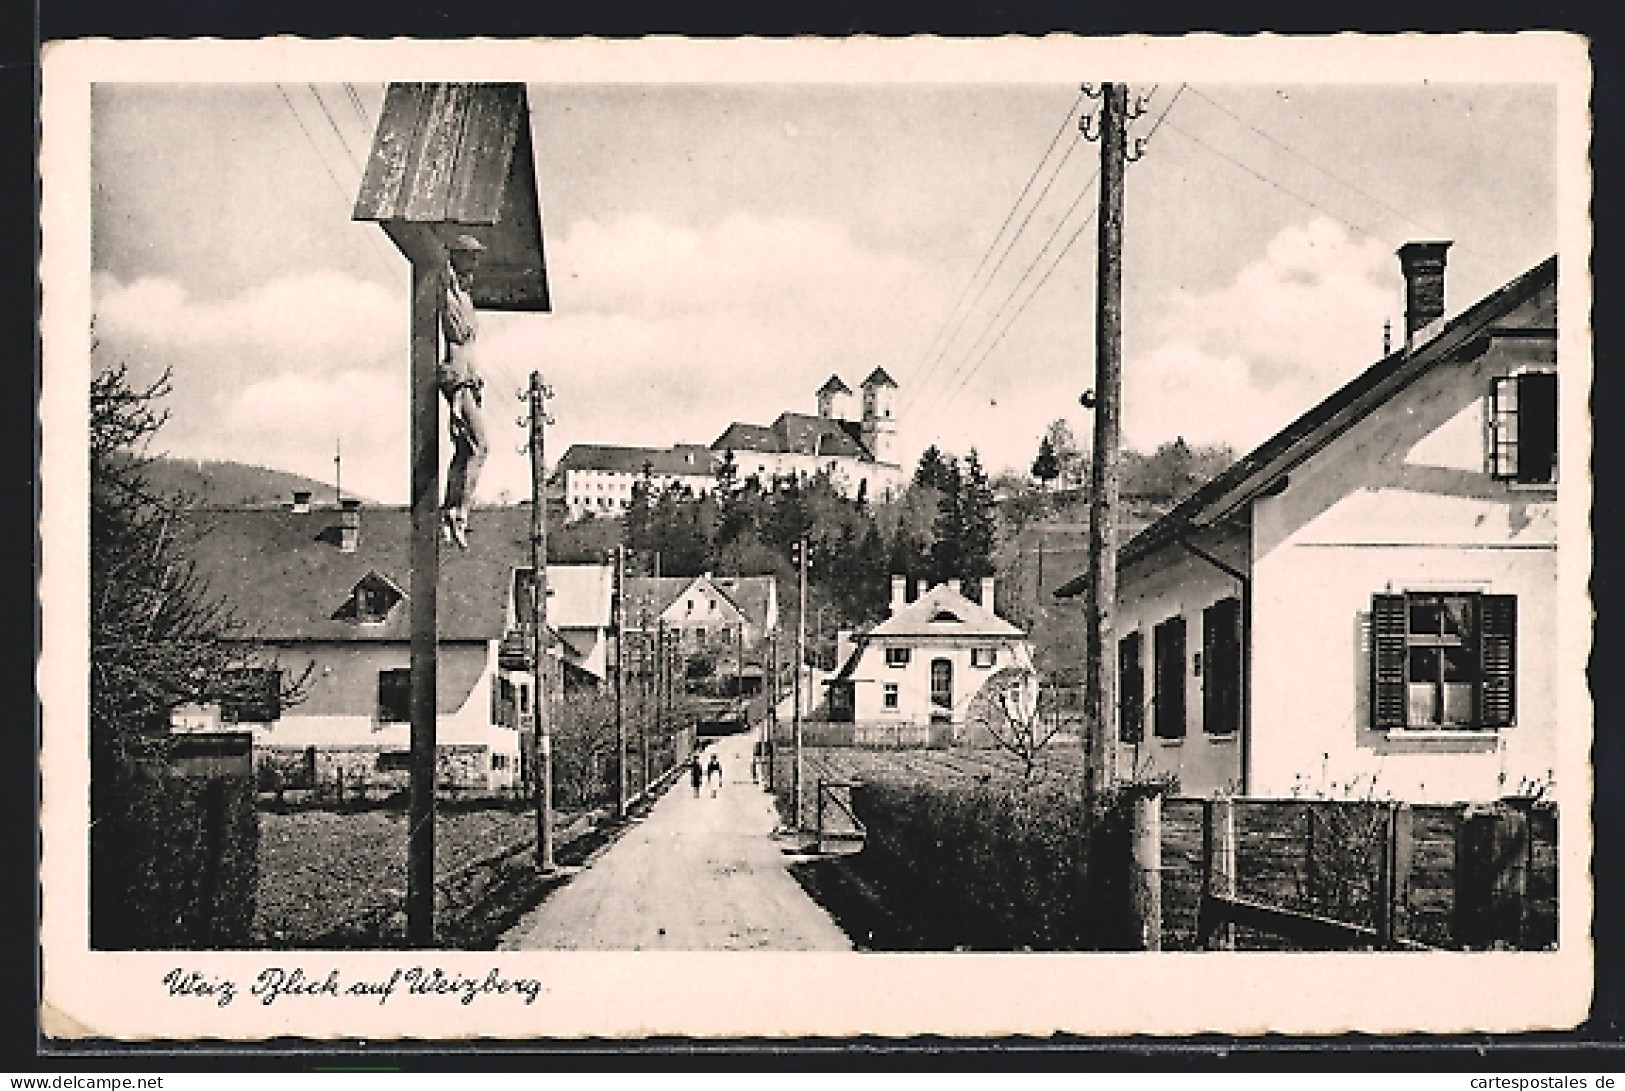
924	664
1367	603
322	594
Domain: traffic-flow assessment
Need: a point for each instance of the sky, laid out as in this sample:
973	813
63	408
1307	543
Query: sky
716	252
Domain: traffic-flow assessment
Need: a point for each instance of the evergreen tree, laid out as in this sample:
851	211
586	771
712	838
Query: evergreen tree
977	520
948	550
1046	467
936	471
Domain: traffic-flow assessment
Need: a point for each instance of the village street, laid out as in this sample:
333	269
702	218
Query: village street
698	874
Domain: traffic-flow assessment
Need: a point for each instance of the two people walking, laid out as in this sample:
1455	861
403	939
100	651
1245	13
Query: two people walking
710	773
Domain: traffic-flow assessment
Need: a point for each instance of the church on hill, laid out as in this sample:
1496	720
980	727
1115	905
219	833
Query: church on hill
597	479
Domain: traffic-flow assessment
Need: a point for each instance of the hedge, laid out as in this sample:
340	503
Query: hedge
174	864
988	868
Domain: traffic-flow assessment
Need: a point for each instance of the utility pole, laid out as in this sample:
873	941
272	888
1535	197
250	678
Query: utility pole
1100	600
542	722
772	707
620	720
803	561
643	702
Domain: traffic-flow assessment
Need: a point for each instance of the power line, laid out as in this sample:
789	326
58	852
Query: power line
918	378
1020	310
1278	186
360	164
1379	202
980	360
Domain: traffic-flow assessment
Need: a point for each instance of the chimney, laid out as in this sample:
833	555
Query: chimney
899	593
349	525
987	594
1423	266
301	501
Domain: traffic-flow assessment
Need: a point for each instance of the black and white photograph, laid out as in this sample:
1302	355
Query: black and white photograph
815	538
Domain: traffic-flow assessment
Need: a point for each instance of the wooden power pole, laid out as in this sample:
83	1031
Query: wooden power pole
620	681
542	726
1100	600
802	563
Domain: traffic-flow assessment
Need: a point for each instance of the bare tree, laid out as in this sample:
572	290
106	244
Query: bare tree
1014	711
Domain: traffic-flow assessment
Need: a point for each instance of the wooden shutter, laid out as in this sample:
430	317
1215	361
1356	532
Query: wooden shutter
1537	427
1130	690
1221	667
1498	651
1168	717
1387	661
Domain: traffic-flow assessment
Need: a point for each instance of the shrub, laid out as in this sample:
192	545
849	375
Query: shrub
176	865
995	869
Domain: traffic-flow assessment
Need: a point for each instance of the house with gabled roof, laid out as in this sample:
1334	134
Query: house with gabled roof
322	593
1367	603
912	678
726	616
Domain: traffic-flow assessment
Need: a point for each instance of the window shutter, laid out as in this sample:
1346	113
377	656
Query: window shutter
1498	649
1537	426
1387	661
1130	690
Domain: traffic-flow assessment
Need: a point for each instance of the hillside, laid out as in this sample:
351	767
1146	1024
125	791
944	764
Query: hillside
231	484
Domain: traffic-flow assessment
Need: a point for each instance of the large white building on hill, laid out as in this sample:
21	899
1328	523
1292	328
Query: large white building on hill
861	453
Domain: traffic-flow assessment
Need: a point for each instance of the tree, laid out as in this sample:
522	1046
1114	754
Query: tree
1072	462
1012	710
158	638
1046	467
978	522
947	551
935	470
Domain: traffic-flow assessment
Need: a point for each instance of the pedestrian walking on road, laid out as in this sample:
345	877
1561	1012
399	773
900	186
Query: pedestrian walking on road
713	768
695	775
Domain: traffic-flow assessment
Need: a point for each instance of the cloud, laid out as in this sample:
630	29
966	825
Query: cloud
1236	364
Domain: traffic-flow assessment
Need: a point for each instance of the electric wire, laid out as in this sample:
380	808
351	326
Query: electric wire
915	380
948	390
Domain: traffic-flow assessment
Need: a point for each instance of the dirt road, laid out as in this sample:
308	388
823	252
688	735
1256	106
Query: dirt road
699	874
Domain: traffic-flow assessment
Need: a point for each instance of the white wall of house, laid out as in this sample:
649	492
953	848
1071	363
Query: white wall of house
340	706
609	492
1176	583
1402	502
872	675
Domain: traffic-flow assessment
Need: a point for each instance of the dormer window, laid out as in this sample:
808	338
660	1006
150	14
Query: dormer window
947	616
1523	428
370	601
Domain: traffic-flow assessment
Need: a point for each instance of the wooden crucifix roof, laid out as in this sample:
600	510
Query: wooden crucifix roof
456	158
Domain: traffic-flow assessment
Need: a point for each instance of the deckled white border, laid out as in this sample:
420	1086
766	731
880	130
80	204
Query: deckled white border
735	994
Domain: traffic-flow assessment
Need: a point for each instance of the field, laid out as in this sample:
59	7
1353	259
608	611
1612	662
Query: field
321	869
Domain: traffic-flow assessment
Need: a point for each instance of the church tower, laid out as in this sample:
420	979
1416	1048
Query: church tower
879	425
833	399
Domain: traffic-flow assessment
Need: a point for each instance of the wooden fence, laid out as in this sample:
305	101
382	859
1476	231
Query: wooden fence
1293	874
876	734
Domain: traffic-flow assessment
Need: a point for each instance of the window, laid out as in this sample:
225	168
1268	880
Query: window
983	657
255	696
897	657
1168	699
1523	428
888	695
1443	660
1130	690
942	683
499	762
395	696
1221	667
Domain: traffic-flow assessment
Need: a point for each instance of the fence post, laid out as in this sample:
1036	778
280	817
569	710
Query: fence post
1394	851
1218	869
818	845
1492	880
1145	867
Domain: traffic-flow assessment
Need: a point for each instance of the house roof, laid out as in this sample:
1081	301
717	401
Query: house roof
284	576
1250	476
684	459
647	597
944	612
797	433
